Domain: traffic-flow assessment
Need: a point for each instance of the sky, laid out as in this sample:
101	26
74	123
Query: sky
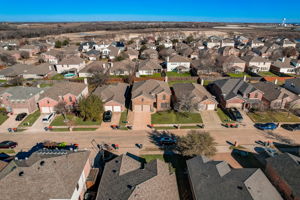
150	10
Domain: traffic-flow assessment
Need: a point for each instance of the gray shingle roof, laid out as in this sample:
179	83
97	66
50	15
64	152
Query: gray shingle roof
216	180
113	92
149	65
21	92
149	88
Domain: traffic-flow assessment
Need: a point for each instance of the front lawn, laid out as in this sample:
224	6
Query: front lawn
171	83
60	129
171	117
238	75
270	74
7	151
176	74
123	119
43	85
30	119
223	117
59	121
58	77
3	118
273	116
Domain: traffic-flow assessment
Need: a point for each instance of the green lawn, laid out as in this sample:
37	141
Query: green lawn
164	127
171	117
43	85
189	127
123	119
171	83
3	118
7	151
59	121
273	116
58	77
155	75
267	74
223	117
30	119
84	129
59	129
242	74
175	74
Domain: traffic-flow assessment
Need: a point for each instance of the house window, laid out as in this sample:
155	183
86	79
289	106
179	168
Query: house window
256	95
70	98
164	105
164	97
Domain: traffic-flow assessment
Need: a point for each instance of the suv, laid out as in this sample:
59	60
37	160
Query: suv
21	116
107	115
234	114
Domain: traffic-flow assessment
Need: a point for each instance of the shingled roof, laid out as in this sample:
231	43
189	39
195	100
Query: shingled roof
217	180
21	92
149	88
113	92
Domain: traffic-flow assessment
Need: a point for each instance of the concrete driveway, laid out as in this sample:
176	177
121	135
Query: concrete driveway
210	119
10	123
141	120
114	121
38	125
247	122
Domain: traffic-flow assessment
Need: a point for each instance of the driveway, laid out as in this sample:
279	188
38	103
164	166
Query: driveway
247	122
141	120
10	123
210	119
38	125
114	121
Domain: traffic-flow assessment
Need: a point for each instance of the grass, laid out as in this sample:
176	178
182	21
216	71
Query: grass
171	83
123	120
84	129
58	77
155	75
164	127
7	151
60	129
223	117
30	119
171	117
267	74
43	85
59	121
189	127
238	75
273	116
3	118
175	74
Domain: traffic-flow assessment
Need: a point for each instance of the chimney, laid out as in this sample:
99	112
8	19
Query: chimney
202	82
245	78
166	79
276	81
85	81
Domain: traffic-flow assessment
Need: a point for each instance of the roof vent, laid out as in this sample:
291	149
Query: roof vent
42	163
240	187
130	187
114	171
21	173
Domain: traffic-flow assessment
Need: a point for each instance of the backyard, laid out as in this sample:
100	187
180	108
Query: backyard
58	77
59	121
273	116
176	74
267	74
30	119
171	117
238	75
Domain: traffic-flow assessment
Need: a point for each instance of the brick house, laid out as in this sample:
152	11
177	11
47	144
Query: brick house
72	64
20	99
235	93
149	67
69	92
283	171
257	64
114	96
149	95
234	64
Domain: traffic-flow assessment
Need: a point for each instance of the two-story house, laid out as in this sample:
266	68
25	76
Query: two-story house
72	64
178	63
257	64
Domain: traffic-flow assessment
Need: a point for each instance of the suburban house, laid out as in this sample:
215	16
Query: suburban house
20	99
234	64
124	67
51	56
283	171
199	97
31	49
287	43
40	71
198	68
95	66
228	51
166	43
86	46
125	177
149	95
293	85
149	67
257	64
14	71
256	43
283	66
46	175
178	63
227	42
149	54
113	96
164	53
217	180
276	97
212	43
235	93
92	54
72	64
266	51
133	54
241	39
69	92
110	52
71	51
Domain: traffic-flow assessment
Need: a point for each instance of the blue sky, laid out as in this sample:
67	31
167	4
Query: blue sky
152	10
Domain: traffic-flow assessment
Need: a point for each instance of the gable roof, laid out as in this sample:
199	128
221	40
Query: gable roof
178	58
21	92
149	88
112	92
74	60
217	180
95	65
15	70
149	65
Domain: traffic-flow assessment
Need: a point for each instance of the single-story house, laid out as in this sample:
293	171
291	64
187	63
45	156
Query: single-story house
227	42
52	56
283	66
38	72
124	67
149	67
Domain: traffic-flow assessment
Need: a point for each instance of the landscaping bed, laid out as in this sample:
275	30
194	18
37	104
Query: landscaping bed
30	119
59	121
171	117
273	116
270	74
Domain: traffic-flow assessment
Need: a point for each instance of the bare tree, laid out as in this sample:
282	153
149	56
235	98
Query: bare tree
185	104
99	76
61	108
7	59
131	68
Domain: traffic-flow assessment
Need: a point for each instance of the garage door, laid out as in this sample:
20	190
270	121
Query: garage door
138	108
47	109
210	106
146	108
107	108
234	105
20	110
117	108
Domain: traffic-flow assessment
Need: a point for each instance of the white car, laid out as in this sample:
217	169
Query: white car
48	118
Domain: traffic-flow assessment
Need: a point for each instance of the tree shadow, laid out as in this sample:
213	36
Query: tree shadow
26	154
246	159
287	148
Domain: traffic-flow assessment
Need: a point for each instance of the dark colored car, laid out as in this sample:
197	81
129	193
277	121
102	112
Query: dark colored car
291	127
167	141
234	114
107	115
266	126
21	116
8	145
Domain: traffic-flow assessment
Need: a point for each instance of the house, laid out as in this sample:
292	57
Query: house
102	45
149	67
14	71
212	43
234	64
195	54
149	54
235	93
120	45
228	51
124	67
166	43
110	52
113	96
227	42
92	54
266	51
40	71
256	43
31	49
199	97
283	66
241	40
293	85
283	171
217	180
276	97
20	99
125	177
257	64
46	175
149	95
133	54
52	56
178	63
69	92
287	43
86	46
71	51
72	64
95	66
164	53
199	68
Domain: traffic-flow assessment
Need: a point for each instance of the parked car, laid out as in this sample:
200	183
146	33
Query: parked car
48	118
167	141
291	127
107	115
59	145
266	126
21	116
234	114
8	145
